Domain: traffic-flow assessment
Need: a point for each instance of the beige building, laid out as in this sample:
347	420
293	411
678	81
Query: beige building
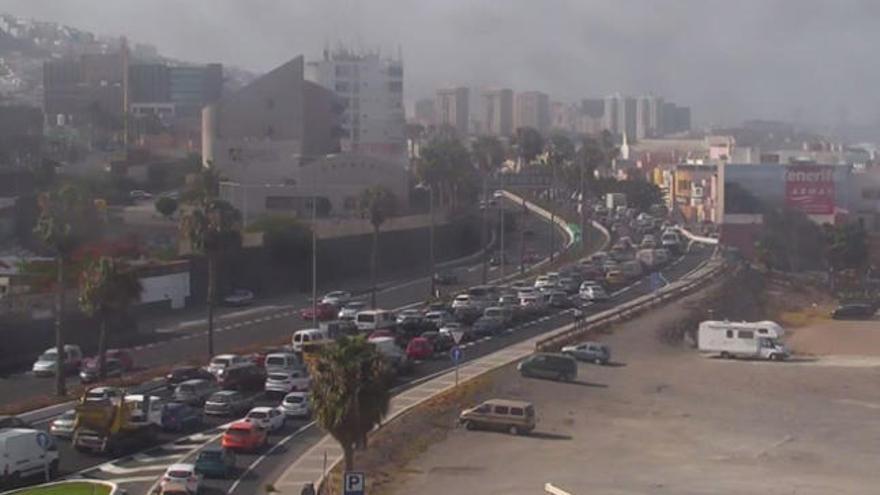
533	110
452	108
498	112
276	141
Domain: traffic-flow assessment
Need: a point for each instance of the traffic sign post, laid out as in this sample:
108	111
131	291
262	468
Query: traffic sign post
354	483
455	354
44	442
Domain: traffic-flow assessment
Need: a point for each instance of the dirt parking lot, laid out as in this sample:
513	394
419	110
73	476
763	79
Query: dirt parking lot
666	420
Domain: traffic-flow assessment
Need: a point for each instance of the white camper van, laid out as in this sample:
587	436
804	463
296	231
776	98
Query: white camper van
742	339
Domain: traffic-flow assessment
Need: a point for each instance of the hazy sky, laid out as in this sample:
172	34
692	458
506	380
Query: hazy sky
728	59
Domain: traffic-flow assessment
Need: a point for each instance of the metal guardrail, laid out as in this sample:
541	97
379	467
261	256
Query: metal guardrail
598	322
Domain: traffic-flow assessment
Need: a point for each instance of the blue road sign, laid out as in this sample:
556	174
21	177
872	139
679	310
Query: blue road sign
455	354
43	440
353	483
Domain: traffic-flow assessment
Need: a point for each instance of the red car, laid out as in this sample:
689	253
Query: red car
323	311
245	436
419	348
124	357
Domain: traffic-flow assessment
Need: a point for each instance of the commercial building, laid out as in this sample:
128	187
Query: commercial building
452	108
83	88
424	112
648	116
533	110
498	112
21	137
370	88
675	119
277	141
193	87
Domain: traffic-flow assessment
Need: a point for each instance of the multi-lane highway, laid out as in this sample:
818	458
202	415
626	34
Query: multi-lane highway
138	473
236	329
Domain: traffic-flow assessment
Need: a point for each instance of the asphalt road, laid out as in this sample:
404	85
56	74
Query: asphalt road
665	419
137	473
244	327
185	341
298	436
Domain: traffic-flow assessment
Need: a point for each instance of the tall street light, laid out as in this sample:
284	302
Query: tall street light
432	273
314	252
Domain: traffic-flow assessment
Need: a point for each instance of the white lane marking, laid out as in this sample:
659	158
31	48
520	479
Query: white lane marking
258	460
856	402
133	479
114	469
140	457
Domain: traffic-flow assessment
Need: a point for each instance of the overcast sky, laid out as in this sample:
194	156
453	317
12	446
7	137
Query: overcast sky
728	59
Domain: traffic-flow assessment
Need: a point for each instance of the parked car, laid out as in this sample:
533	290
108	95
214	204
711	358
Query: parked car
615	278
215	462
183	373
451	327
543	282
250	377
488	325
853	311
177	416
222	362
350	310
297	404
409	320
91	371
244	436
283	382
238	297
268	418
228	403
45	364
139	194
419	348
124	356
195	392
321	312
282	361
61	427
549	365
517	417
446	278
182	474
337	298
593	352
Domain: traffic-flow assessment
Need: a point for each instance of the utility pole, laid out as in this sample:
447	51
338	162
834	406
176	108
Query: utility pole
582	197
431	241
484	204
522	240
314	252
552	201
501	258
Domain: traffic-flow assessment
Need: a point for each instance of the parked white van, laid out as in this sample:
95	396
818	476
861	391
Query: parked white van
742	339
375	319
282	361
25	452
301	337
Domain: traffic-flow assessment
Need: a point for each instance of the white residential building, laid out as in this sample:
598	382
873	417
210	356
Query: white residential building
370	87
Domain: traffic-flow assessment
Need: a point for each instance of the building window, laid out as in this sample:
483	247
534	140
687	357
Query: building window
342	87
395	86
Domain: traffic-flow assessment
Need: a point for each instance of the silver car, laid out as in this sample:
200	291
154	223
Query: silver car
594	352
62	426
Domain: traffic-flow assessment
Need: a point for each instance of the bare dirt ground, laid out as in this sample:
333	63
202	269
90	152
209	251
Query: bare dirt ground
665	420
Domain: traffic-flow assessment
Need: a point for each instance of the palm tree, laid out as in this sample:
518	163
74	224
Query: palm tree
67	217
107	288
350	392
211	226
379	204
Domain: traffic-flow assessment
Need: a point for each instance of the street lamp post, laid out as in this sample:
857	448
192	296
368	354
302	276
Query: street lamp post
431	241
501	259
314	258
484	204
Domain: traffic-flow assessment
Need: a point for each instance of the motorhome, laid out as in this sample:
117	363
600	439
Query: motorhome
742	339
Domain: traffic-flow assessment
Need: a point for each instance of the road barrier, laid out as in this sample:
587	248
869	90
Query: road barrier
697	278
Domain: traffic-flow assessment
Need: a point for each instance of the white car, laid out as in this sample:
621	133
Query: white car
544	283
104	393
268	418
182	474
222	361
288	381
462	301
63	425
350	310
337	298
239	297
297	404
593	293
449	327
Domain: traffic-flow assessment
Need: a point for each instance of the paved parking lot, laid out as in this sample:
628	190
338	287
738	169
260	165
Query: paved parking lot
667	420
